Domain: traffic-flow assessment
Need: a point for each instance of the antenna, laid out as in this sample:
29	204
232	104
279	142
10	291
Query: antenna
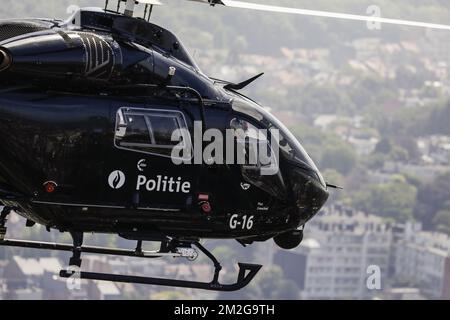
145	10
150	12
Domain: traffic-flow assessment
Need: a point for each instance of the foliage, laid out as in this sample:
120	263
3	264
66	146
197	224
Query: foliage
170	295
395	199
442	221
340	157
269	284
227	255
433	198
316	99
438	121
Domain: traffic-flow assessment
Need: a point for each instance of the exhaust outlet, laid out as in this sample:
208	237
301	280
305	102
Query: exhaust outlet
5	60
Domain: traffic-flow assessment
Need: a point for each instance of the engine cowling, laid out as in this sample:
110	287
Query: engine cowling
61	55
87	60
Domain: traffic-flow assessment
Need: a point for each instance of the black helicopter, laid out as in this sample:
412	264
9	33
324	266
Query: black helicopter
88	109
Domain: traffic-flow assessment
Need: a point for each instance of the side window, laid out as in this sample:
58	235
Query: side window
149	131
136	130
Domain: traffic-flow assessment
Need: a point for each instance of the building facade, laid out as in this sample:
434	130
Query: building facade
342	249
422	260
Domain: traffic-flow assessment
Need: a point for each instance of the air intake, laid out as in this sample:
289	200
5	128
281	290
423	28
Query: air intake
5	60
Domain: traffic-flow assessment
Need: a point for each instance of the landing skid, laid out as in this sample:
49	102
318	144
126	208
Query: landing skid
246	274
172	248
246	271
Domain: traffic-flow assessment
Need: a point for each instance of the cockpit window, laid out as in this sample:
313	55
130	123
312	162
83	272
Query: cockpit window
289	145
288	142
246	130
254	149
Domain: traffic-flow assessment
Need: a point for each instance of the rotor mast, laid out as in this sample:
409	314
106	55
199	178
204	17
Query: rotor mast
129	8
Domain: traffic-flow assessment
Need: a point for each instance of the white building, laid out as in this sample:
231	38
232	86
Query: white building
435	149
423	260
340	248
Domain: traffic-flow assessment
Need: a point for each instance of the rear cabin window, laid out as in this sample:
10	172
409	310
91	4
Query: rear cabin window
149	131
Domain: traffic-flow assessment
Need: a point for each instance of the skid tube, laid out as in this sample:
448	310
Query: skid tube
247	272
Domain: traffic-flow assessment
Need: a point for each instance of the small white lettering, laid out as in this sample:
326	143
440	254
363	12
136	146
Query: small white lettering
163	184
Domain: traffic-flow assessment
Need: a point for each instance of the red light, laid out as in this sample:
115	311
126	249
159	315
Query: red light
206	207
203	197
49	187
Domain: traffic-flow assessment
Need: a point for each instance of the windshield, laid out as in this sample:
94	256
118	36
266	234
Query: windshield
289	144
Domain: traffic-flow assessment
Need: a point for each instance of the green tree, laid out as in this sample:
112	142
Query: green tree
432	198
334	177
273	285
169	295
270	284
227	255
392	200
315	99
384	146
340	157
376	161
442	221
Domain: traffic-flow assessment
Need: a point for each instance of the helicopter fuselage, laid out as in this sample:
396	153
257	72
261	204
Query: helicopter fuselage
86	116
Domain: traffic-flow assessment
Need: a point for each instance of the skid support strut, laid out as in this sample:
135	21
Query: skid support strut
3	219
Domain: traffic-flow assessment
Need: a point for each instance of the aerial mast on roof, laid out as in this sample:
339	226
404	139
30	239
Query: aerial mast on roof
129	8
131	4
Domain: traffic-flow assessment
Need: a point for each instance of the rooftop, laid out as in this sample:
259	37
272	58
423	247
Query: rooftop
342	219
37	267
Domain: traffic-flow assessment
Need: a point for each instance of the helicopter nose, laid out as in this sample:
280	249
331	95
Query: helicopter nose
313	199
5	59
310	194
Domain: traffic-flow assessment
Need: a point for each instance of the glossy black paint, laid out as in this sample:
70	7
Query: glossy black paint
59	101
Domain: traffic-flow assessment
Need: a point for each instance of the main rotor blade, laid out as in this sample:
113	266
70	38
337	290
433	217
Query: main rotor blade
150	2
327	14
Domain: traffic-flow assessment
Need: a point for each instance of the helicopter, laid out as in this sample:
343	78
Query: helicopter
90	106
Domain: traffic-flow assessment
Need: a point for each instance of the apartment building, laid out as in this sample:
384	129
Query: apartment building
342	249
422	260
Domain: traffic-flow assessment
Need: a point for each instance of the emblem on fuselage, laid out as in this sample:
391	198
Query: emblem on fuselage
116	179
245	186
142	164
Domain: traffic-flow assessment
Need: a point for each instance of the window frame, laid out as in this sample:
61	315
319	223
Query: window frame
178	116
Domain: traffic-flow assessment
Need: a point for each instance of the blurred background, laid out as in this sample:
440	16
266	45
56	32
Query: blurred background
372	106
